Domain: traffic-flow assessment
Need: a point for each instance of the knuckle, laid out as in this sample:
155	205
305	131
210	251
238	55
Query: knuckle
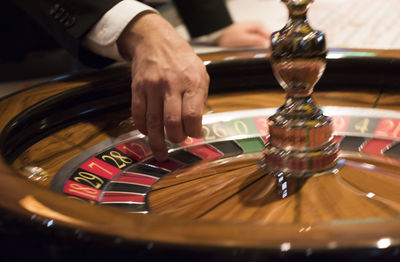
136	103
149	85
172	121
190	79
192	116
154	122
176	138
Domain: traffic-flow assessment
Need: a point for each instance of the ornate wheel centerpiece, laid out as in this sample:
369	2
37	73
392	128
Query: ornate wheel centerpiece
300	142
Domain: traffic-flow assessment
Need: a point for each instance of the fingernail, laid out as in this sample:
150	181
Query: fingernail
161	156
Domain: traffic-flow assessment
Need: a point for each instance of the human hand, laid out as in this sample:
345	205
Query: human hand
245	34
169	82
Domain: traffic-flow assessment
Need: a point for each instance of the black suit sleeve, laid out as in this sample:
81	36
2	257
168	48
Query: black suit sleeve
202	17
67	21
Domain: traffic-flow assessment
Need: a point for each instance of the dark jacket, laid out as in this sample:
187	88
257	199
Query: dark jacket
42	24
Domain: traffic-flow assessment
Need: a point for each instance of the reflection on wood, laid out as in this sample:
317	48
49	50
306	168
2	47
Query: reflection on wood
247	195
200	195
389	100
52	152
346	98
380	183
83	135
49	154
261	53
16	103
275	98
203	170
246	100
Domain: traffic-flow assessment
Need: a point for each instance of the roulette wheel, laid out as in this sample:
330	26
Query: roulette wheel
79	182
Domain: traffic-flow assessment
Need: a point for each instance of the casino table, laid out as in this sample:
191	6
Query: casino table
79	182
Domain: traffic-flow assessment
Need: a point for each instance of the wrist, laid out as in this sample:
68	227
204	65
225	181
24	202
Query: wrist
136	32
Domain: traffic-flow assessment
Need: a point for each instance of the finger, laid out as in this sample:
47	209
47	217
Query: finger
259	28
255	40
173	118
138	109
155	127
193	105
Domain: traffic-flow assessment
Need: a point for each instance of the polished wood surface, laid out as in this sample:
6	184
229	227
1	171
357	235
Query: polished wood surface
239	191
56	150
16	103
229	226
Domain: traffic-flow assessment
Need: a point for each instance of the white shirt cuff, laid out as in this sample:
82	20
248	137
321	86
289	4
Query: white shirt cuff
102	38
